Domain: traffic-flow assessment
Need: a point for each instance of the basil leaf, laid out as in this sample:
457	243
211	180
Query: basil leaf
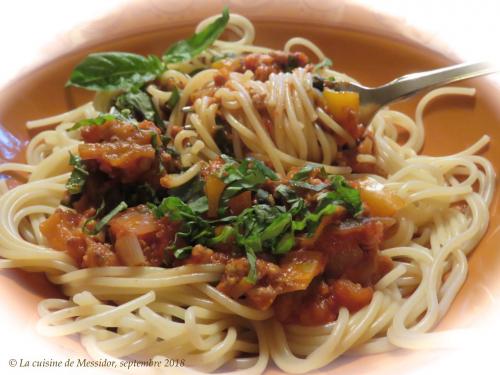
285	244
185	50
92	218
277	227
174	99
140	106
105	220
199	205
347	194
107	71
264	169
325	63
190	191
247	175
252	262
100	120
308	186
227	232
176	209
312	219
123	115
183	252
78	176
304	172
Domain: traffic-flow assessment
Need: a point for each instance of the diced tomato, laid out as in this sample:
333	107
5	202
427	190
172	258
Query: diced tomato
240	202
352	295
121	159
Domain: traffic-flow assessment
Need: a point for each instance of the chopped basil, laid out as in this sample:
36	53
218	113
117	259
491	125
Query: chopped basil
285	244
325	63
184	50
272	224
183	252
311	220
308	186
277	227
78	176
105	220
252	262
174	99
199	205
247	175
226	233
304	172
140	106
99	120
320	83
107	71
347	194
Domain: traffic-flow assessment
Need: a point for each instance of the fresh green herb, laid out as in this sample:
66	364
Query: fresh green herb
99	120
107	71
247	175
252	262
124	115
200	205
277	227
304	172
105	220
185	50
320	83
165	140
78	176
269	226
285	244
93	218
226	233
263	196
225	55
325	63
261	226
190	191
308	186
312	220
135	194
160	169
140	106
347	194
174	99
183	252
285	192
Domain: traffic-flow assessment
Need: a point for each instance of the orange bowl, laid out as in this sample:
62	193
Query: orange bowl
366	45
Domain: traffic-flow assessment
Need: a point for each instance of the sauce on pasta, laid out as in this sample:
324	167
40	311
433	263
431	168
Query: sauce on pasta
221	204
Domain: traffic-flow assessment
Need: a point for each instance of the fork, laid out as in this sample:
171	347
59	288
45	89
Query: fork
372	99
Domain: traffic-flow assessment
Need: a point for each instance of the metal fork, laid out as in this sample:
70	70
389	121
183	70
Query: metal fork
373	99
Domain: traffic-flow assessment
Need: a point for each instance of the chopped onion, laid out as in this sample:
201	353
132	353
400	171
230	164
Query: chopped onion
129	250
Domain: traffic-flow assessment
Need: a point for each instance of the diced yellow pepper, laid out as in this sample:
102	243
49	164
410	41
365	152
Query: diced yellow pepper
213	189
382	202
218	64
340	102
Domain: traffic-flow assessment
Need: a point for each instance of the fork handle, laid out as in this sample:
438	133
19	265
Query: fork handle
410	84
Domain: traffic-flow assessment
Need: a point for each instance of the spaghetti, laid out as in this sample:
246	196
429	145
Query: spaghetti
275	112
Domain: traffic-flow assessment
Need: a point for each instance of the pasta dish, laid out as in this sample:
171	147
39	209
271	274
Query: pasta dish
222	204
